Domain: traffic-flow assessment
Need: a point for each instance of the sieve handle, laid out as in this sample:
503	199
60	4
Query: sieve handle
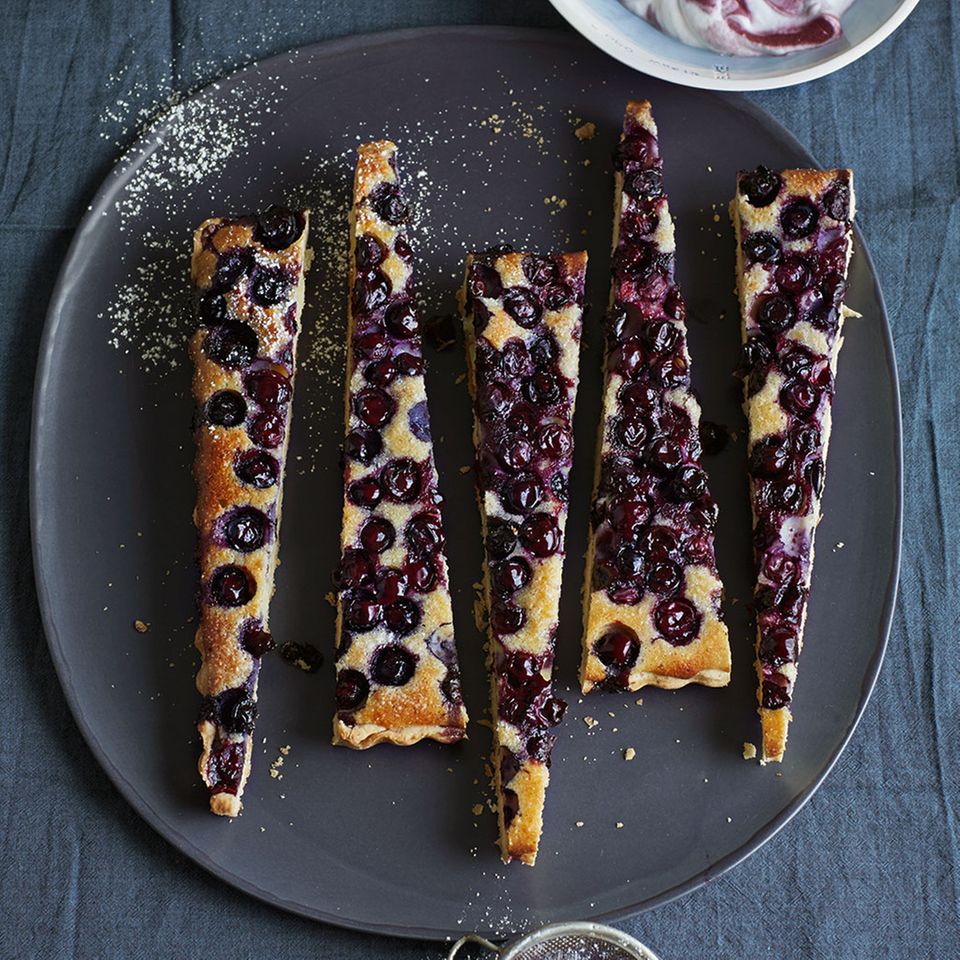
472	938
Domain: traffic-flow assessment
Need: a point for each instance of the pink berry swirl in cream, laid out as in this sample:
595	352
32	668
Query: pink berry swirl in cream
745	28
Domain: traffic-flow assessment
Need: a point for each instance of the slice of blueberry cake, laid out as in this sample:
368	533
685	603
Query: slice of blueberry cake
652	594
248	273
794	240
522	317
397	674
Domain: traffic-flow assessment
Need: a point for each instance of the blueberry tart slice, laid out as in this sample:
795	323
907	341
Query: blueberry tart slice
248	274
522	317
652	593
794	241
397	674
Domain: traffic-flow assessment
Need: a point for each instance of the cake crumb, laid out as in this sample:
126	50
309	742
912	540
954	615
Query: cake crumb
640	702
749	751
629	753
465	469
140	626
587	131
330	598
579	823
619	824
477	809
590	722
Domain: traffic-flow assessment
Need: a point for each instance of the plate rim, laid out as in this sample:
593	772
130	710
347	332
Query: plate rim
137	153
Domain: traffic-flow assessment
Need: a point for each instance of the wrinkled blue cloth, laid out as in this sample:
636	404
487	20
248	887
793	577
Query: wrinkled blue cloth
870	868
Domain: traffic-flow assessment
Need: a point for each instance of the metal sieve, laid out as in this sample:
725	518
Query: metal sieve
565	941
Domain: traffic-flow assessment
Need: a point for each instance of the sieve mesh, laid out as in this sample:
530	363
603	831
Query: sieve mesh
574	947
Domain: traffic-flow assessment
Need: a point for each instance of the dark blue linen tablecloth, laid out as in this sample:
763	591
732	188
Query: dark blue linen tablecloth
870	868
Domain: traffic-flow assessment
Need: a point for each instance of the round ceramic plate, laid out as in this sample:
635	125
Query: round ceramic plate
393	840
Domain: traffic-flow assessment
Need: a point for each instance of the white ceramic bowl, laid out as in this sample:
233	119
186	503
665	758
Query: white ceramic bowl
634	42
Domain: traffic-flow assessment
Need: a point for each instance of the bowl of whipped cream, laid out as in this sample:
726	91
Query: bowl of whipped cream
736	44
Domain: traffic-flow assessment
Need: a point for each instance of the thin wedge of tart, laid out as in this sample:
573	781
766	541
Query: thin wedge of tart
397	675
248	274
651	590
794	241
522	319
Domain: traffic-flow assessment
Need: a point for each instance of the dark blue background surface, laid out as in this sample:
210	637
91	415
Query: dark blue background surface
870	868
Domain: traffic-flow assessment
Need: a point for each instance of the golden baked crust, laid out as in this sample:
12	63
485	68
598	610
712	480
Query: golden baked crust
398	678
650	560
249	276
522	322
794	242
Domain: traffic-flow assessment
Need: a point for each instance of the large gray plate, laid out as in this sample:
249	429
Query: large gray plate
387	840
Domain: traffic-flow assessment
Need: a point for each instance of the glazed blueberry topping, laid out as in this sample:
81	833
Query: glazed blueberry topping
269	388
401	480
523	494
402	320
419	420
501	539
540	535
389	585
382	373
644	183
212	309
225	769
231	266
377	535
510	576
523	306
267	430
370	290
424	535
762	248
836	201
372	346
450	687
374	407
402	616
353	688
484	282
388	204
365	492
511	806
233	345
800	398
355	569
245	529
618	648
408	365
798	219
278	227
269	285
776	692
363	445
422	575
370	251
226	409
393	666
506	617
761	186
238	712
793	274
230	586
677	620
776	313
255	640
257	468
362	614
